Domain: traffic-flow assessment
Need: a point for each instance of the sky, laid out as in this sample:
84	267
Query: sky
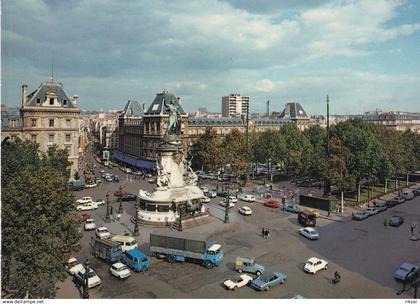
364	54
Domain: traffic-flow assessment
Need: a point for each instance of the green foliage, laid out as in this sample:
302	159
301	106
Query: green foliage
234	152
36	219
209	149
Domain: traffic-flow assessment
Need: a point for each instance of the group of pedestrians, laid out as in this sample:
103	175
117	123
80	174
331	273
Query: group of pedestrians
265	232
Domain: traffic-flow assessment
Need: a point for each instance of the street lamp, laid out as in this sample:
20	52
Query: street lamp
107	217
136	221
227	209
120	208
85	294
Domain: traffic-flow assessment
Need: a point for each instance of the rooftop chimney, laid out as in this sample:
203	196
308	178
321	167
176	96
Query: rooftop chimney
75	99
144	107
24	94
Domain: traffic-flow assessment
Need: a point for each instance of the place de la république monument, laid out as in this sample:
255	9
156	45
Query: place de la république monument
176	200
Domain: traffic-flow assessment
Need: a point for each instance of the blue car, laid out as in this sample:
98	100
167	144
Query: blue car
404	269
268	280
291	208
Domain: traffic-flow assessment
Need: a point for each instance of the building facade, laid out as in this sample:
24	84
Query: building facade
235	105
48	117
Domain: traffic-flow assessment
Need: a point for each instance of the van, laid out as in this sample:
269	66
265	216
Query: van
408	195
126	242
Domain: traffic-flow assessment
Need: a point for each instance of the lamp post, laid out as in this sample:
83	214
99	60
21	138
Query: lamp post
120	208
227	209
85	294
136	222
107	217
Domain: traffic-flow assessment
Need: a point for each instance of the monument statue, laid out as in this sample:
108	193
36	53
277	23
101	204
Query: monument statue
162	179
173	117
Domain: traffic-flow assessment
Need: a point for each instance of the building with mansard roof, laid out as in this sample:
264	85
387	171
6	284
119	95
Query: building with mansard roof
47	116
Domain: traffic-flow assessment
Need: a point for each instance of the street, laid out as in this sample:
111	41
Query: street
365	253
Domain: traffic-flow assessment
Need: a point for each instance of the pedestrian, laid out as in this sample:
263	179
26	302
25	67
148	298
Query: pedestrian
328	213
412	229
385	223
263	232
268	233
111	210
337	277
118	217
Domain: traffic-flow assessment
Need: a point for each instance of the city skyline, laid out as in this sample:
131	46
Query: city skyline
364	54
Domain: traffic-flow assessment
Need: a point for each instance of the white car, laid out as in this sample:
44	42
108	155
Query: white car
102	171
244	210
372	211
73	266
238	282
232	199
206	199
248	198
93	278
360	215
90	224
100	202
309	233
87	206
120	270
211	193
84	200
103	233
93	185
224	204
313	265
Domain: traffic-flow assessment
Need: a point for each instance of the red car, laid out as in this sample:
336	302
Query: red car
80	218
119	193
272	204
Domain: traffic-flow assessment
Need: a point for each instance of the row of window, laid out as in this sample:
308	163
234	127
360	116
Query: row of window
51	101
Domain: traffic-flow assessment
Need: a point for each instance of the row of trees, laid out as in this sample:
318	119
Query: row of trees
360	152
37	209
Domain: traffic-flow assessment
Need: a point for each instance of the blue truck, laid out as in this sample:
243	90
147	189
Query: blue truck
176	247
111	252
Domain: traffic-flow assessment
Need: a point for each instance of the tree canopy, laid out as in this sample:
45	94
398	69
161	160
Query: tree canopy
37	209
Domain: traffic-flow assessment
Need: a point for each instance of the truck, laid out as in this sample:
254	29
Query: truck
111	252
174	246
105	249
306	218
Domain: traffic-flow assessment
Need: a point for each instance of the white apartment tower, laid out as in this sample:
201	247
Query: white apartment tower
235	105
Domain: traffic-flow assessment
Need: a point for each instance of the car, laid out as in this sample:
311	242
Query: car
237	282
73	266
224	204
416	192
92	185
90	224
109	178
83	200
248	198
120	270
314	212
119	193
371	211
291	208
360	215
309	233
93	278
211	193
406	269
151	180
87	206
232	199
103	233
102	171
100	202
206	199
268	280
80	218
380	207
244	264
408	195
244	210
204	189
222	193
398	200
396	220
128	197
313	265
116	178
98	181
272	203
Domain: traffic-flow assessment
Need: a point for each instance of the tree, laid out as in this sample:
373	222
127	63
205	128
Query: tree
318	162
234	153
208	149
36	220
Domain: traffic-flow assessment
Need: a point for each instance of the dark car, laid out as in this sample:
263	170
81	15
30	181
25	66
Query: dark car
119	193
272	203
396	221
116	178
128	197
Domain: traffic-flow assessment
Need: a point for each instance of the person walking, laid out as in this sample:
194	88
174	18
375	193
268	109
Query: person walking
337	277
328	213
118	217
263	232
385	223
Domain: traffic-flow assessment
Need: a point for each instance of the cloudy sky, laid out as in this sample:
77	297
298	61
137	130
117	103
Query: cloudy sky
364	54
